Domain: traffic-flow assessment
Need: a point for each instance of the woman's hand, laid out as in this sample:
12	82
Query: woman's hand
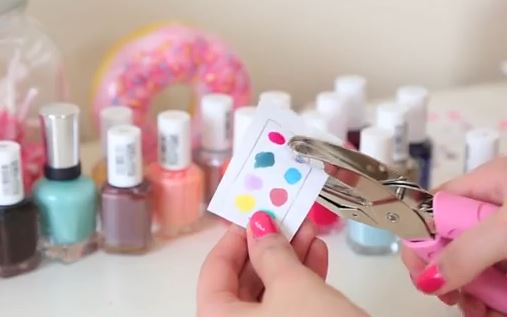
259	274
475	250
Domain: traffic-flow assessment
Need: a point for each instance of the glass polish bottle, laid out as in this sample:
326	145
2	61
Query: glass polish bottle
481	146
125	206
364	239
19	217
243	118
215	151
393	117
66	199
351	91
276	98
415	100
177	184
329	105
109	117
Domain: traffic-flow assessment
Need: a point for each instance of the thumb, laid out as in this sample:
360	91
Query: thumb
270	252
467	256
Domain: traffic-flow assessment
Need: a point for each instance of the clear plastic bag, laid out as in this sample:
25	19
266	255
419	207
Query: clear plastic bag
31	75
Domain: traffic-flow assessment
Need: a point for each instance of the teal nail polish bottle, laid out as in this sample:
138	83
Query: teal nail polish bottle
66	199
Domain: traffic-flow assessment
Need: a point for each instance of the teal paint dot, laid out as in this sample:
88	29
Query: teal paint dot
292	176
270	213
264	159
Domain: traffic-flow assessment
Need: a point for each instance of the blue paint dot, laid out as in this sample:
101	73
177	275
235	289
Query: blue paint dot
264	159
292	176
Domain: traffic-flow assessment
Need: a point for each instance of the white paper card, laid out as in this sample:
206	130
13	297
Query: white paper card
264	174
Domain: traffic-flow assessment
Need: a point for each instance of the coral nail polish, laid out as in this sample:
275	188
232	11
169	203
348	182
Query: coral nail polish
125	208
216	143
109	117
262	224
430	280
177	183
19	217
66	199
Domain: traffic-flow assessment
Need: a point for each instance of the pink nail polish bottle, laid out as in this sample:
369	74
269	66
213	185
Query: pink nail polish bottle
216	140
177	183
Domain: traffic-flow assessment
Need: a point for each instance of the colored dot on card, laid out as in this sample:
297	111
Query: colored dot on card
278	196
264	159
276	138
253	182
269	212
292	176
245	203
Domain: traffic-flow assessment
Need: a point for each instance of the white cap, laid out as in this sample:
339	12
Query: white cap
124	158
392	117
378	143
110	117
276	98
329	105
315	120
174	140
481	147
243	118
216	111
415	100
11	181
351	90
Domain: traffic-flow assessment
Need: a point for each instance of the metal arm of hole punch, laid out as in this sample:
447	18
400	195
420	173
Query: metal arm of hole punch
365	190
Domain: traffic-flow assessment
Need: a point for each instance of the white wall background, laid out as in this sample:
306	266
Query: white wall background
300	46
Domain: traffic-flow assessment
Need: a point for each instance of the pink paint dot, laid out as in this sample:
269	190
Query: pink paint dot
454	115
253	182
502	125
276	138
278	196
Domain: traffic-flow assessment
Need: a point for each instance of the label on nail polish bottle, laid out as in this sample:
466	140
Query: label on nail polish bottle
11	186
175	152
124	156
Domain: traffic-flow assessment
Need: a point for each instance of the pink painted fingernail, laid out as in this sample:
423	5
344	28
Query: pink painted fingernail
262	224
430	280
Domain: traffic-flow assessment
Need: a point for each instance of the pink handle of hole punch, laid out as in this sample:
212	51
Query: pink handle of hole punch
453	215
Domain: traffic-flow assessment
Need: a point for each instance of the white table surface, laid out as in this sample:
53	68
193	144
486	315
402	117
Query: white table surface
163	282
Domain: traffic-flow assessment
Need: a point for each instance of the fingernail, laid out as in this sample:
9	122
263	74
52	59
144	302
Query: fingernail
430	280
262	224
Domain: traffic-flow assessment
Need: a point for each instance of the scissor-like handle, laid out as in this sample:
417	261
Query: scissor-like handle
453	215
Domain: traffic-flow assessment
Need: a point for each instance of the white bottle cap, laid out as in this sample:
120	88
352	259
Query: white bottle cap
481	147
174	140
351	90
11	181
415	100
378	143
329	105
276	98
110	117
124	158
243	118
216	111
392	117
315	120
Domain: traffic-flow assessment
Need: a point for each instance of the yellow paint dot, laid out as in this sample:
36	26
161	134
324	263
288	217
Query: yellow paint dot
245	203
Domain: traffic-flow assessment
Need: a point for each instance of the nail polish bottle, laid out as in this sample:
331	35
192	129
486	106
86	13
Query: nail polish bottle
125	209
276	98
243	117
329	105
415	100
216	141
364	239
392	116
177	183
109	117
66	199
19	217
351	91
481	146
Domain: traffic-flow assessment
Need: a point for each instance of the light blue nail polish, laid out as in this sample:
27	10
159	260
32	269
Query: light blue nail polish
67	200
368	240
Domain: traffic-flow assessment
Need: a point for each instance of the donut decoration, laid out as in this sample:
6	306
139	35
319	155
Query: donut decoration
156	58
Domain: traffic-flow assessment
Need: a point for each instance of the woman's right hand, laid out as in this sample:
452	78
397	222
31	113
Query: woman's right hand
475	250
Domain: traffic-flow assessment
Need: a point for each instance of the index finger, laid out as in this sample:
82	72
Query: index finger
219	277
